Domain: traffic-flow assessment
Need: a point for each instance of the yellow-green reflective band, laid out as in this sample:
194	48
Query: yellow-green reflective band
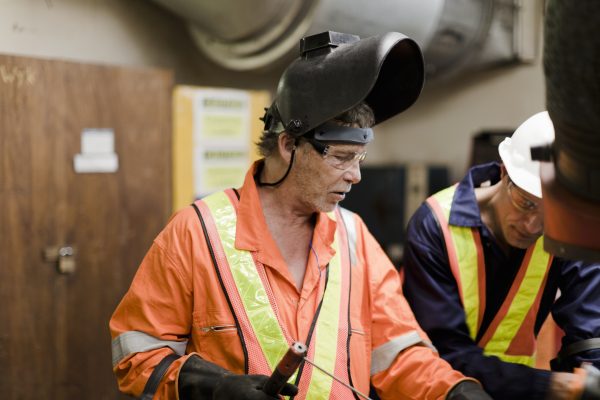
525	360
522	302
248	282
326	331
445	198
466	254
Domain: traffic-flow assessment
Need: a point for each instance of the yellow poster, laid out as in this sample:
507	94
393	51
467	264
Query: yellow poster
214	134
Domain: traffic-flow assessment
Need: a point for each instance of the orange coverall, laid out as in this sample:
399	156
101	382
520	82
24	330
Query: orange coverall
176	296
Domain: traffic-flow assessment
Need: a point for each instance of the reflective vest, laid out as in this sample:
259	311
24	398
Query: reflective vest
264	339
510	335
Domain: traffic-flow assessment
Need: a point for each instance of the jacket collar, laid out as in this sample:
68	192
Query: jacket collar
253	233
465	210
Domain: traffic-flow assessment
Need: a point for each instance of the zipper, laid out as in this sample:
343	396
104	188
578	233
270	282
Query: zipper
218	328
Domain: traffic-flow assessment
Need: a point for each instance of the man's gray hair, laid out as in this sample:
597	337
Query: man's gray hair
360	115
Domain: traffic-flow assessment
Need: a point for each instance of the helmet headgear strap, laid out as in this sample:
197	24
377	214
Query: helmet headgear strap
289	168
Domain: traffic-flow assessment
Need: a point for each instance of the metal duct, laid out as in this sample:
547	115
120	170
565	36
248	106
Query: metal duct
455	34
571	184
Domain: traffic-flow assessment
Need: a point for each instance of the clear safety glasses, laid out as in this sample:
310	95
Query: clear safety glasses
519	201
337	158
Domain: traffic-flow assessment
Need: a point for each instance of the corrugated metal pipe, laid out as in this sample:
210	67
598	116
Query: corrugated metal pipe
571	183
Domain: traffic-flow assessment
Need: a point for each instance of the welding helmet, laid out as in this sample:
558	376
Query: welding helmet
337	71
515	152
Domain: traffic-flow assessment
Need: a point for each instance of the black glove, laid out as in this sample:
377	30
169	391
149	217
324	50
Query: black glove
200	379
468	390
248	387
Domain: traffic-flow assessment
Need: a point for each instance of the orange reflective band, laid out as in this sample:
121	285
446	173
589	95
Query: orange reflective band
510	335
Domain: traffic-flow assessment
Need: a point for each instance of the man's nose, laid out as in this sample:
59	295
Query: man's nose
534	222
352	174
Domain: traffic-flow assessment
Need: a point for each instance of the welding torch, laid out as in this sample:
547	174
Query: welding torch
289	364
285	369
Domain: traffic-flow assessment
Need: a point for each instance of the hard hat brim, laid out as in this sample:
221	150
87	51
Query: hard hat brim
521	177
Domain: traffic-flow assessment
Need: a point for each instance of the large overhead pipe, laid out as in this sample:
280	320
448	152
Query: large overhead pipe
455	35
571	182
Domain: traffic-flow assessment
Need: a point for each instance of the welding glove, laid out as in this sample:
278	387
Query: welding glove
200	379
468	390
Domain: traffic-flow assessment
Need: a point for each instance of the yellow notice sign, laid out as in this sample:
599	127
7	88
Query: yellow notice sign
217	176
223	126
214	135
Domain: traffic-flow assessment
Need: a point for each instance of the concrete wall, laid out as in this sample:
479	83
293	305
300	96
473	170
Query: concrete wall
437	129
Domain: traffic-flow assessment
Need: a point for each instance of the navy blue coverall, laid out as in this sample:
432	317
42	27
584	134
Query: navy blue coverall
433	294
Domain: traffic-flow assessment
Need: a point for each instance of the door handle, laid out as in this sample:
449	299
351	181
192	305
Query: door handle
63	256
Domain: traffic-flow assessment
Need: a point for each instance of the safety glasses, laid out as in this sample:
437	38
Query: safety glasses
518	199
337	158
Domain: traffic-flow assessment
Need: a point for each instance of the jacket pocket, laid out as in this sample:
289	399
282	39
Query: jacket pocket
215	339
360	356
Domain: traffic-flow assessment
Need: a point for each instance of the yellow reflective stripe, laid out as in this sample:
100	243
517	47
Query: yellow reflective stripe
445	197
522	302
466	253
249	285
525	360
326	331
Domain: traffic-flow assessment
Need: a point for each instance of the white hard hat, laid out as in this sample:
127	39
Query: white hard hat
516	156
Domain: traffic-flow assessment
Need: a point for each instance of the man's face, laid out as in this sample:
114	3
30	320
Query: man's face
521	215
323	177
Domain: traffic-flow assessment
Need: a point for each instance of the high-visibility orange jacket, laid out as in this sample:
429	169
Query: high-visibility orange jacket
176	304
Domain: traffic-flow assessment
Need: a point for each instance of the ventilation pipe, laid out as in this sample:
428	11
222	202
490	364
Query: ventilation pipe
571	182
455	35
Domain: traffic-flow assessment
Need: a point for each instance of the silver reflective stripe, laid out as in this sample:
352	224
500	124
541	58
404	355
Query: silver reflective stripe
351	232
136	342
384	355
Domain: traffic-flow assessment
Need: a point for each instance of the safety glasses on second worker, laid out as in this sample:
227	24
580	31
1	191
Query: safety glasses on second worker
518	199
337	158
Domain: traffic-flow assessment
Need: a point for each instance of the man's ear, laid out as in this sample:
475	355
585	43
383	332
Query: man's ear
503	172
286	144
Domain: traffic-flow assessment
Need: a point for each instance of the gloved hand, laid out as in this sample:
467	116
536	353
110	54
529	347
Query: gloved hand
591	388
468	390
201	379
247	387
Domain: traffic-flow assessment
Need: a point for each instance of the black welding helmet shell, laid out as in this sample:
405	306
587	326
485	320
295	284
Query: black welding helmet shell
337	71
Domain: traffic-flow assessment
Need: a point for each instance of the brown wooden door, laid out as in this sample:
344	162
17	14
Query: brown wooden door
54	337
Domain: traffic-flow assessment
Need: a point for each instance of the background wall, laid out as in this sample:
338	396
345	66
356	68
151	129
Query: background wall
437	129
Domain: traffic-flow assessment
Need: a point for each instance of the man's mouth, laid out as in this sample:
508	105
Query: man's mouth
341	195
522	236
